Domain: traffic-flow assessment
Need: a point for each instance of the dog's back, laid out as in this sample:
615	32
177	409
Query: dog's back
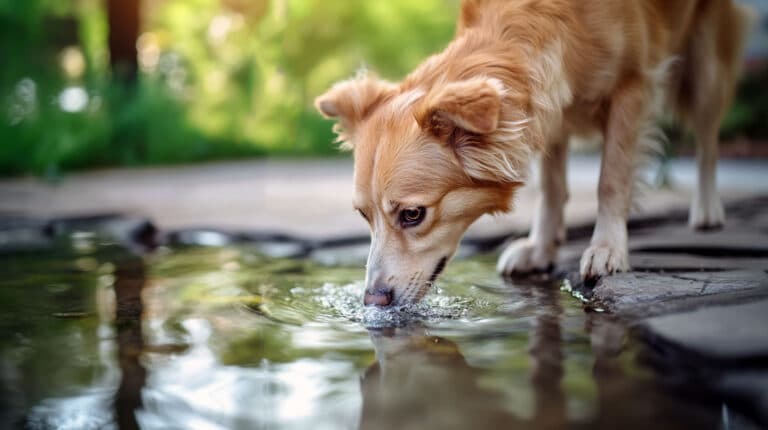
705	36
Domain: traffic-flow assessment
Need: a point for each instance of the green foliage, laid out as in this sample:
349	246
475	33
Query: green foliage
219	79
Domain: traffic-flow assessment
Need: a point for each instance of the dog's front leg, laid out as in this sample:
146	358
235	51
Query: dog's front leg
538	251
608	250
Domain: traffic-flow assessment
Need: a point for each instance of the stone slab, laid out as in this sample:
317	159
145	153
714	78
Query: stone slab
644	261
730	332
639	295
731	241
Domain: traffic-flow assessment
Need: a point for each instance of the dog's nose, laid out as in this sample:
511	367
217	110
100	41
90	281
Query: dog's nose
378	295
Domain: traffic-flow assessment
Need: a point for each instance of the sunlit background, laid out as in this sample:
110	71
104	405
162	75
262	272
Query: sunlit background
193	80
213	78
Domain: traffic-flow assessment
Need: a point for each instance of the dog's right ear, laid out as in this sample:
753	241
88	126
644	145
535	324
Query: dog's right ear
473	105
352	101
467	115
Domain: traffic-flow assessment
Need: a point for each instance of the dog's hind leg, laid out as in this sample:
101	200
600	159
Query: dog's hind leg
712	66
703	103
538	251
706	208
628	113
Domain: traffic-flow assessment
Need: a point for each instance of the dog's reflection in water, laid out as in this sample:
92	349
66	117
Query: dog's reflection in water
421	381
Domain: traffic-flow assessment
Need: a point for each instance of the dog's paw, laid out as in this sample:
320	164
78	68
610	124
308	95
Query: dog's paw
706	214
604	259
524	256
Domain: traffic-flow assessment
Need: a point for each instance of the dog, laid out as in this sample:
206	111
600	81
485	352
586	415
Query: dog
455	138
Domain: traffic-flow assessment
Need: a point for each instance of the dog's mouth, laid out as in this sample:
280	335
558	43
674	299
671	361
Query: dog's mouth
417	294
438	269
382	295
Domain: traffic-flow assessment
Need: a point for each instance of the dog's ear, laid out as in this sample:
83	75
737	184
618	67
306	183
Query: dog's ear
472	105
467	115
353	100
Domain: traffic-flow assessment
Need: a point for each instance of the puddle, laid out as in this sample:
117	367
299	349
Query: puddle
93	336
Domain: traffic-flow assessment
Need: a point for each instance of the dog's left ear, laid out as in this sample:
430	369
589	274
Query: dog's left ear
351	101
467	115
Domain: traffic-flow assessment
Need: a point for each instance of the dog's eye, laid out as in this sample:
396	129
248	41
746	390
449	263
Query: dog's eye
412	216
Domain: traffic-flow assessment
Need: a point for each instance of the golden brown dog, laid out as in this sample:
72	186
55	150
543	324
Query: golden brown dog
454	139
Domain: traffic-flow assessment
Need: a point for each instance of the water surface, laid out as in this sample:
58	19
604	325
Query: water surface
94	336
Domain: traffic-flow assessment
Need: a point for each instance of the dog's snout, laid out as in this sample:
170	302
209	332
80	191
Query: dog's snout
378	295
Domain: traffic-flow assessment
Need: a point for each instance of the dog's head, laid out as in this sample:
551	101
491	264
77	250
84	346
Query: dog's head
428	163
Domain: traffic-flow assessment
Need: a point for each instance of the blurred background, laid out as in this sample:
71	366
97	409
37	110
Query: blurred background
89	83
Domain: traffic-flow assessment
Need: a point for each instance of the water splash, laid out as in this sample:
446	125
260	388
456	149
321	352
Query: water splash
346	302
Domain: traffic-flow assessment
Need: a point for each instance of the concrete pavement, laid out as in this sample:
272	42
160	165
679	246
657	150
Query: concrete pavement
312	198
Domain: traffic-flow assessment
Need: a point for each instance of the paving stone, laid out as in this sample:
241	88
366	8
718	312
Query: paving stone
732	332
646	261
136	233
19	234
636	294
730	241
23	239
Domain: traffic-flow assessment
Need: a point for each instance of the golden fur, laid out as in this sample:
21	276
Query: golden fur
457	135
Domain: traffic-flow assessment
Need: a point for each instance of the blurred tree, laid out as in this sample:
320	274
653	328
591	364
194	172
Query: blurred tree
123	22
129	127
